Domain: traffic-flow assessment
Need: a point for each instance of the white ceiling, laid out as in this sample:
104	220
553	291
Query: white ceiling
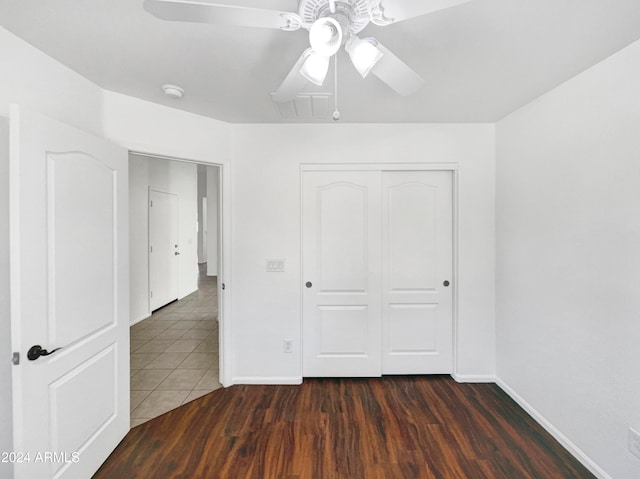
481	60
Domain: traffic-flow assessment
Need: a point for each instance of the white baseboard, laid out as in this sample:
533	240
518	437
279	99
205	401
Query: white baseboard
136	321
184	295
473	378
267	380
551	429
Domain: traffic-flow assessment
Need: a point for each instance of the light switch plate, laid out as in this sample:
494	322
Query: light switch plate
275	266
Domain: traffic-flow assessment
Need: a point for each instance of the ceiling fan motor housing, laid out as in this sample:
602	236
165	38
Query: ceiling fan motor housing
353	15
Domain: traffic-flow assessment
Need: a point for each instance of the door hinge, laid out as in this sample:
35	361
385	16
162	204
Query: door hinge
151	294
150	249
15	359
151	203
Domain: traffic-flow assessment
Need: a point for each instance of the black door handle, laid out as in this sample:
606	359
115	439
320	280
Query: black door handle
308	284
36	351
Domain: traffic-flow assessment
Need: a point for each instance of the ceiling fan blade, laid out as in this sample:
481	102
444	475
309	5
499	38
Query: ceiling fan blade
203	12
293	83
396	73
392	11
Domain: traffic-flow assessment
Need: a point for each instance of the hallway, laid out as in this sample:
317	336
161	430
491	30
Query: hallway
174	353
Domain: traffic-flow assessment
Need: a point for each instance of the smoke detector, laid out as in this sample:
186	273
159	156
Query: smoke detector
173	91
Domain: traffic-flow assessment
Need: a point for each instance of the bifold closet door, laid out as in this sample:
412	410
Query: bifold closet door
417	238
341	268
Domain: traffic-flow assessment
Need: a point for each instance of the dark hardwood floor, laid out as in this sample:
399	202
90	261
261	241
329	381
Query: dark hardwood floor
394	427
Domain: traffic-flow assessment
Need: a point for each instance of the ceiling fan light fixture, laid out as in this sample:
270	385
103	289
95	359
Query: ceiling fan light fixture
364	54
325	36
315	67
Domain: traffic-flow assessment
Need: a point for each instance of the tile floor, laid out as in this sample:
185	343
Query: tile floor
174	353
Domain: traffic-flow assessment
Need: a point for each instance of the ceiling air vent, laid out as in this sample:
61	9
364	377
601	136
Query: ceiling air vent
305	106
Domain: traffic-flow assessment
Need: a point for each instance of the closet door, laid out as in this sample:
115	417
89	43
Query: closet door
417	234
341	273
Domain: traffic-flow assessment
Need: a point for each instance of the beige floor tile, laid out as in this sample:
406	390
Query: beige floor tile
184	346
186	308
137	397
195	334
182	379
136	344
207	346
198	361
159	402
210	380
144	334
148	379
196	393
185	324
140	360
139	326
156	346
171	334
205	324
167	361
136	421
158	325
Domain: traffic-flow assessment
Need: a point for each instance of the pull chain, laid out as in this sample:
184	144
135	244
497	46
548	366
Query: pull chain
336	112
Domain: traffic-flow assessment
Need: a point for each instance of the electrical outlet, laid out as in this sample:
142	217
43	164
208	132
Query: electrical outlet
288	346
634	442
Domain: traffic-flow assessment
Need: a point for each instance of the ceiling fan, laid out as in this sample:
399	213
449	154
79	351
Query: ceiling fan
331	24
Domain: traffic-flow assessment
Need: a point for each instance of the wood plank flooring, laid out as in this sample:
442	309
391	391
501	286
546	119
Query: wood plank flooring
394	427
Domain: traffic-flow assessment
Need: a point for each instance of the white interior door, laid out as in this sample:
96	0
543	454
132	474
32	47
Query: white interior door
69	289
417	234
341	268
163	248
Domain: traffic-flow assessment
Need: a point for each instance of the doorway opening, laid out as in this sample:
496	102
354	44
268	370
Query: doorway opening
175	345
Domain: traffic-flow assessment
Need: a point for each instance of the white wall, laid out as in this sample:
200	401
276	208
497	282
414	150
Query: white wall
266	224
35	81
138	238
175	177
568	262
146	127
6	442
202	194
213	190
